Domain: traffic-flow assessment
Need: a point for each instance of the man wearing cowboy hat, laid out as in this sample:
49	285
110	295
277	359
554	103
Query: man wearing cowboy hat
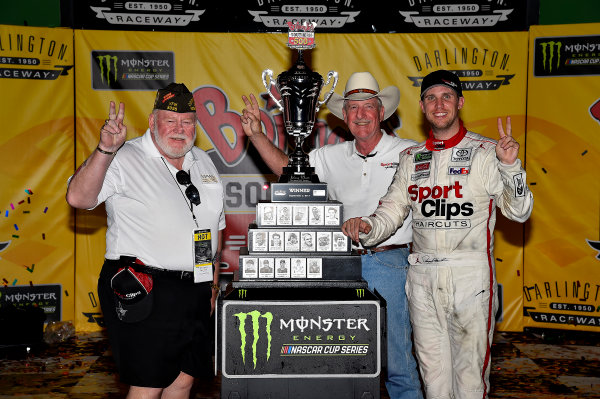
358	173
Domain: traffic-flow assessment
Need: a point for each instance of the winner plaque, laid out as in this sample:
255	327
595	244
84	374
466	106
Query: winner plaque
300	89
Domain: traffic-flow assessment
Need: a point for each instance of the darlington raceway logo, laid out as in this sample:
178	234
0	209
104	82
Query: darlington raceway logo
27	56
478	68
325	16
466	15
161	14
567	302
132	70
567	56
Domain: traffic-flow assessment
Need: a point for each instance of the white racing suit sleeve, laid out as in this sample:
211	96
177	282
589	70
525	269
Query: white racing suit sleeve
391	211
511	191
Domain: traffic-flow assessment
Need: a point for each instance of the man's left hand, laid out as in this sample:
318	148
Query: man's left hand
507	148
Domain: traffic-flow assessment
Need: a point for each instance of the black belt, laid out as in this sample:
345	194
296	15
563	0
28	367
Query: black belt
151	270
158	272
364	251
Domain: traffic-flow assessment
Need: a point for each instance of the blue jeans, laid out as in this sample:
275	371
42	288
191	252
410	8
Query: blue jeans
386	273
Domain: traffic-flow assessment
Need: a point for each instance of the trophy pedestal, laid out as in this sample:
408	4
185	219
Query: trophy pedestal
299	174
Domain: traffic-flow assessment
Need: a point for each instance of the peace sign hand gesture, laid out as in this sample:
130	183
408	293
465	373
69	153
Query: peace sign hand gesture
507	148
113	133
250	117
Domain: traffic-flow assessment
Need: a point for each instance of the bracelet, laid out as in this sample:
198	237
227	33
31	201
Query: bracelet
215	287
100	150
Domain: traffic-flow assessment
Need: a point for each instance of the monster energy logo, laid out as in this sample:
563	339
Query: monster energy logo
242	293
255	317
423	156
360	292
104	62
548	54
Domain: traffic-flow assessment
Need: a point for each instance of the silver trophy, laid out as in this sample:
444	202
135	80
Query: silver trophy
299	88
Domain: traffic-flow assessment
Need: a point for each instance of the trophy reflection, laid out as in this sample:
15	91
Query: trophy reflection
299	88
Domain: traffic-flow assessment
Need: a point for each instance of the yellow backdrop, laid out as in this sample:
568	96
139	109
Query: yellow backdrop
40	233
220	68
36	149
562	274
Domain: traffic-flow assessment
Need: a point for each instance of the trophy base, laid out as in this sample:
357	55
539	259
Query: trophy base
298	191
299	174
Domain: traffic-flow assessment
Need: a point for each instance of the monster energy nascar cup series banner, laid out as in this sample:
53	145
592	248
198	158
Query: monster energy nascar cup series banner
301	339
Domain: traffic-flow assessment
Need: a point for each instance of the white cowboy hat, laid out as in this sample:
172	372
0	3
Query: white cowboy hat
362	86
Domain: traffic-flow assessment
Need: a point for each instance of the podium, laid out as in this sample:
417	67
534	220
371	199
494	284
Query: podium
301	340
298	321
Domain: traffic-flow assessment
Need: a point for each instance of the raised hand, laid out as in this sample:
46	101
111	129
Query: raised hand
353	226
250	117
507	148
113	133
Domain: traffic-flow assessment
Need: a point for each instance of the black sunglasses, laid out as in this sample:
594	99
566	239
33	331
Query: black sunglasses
191	191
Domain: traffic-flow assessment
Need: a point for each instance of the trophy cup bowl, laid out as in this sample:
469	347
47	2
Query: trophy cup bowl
299	88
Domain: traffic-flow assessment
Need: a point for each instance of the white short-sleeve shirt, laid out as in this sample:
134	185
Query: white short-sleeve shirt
148	214
358	183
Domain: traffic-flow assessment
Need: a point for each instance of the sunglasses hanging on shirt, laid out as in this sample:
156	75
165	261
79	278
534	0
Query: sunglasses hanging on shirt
191	192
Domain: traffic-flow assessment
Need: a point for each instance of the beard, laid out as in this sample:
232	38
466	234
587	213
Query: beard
441	124
171	152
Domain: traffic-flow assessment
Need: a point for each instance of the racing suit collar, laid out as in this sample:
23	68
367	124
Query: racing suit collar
437	145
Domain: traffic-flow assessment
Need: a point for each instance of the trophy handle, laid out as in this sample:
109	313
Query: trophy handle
334	75
269	73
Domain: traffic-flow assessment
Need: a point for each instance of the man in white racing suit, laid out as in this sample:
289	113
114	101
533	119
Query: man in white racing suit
453	183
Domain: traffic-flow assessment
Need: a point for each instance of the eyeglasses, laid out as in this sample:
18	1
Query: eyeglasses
191	192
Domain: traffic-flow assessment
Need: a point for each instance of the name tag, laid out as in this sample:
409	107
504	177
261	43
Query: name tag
203	270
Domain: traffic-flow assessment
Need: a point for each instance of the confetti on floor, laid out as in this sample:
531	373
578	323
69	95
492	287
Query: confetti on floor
532	365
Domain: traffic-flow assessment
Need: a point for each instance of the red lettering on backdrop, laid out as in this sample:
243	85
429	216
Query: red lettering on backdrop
214	117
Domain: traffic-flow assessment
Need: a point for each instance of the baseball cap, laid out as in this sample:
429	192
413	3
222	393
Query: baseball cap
444	78
132	294
175	97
